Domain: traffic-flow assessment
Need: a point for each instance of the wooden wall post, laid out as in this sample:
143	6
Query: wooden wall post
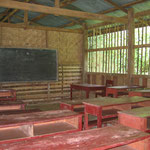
130	45
84	54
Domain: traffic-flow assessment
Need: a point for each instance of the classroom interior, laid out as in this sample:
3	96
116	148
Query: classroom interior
74	74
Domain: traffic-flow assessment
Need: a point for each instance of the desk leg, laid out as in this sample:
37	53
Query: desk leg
87	93
115	94
70	92
22	106
86	119
107	92
99	118
80	123
86	125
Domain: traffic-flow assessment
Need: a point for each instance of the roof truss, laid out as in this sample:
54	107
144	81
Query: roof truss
58	11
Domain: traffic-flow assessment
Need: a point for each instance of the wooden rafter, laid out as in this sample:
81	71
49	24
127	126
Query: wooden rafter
66	2
3	24
58	11
117	6
62	4
11	13
72	23
4	13
110	10
136	15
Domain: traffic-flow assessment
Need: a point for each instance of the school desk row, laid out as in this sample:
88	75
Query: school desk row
114	91
39	130
104	107
57	130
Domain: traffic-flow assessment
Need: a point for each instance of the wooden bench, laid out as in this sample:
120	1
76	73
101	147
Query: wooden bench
101	138
7	95
138	118
12	105
38	124
144	93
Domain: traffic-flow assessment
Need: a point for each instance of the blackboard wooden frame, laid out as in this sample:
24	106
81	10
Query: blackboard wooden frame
47	55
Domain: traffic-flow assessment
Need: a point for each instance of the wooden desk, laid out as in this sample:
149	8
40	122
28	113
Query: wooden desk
7	95
95	107
138	118
114	90
11	105
38	124
78	106
87	88
144	93
102	139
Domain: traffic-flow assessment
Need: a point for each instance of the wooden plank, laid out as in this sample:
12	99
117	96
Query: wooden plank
58	11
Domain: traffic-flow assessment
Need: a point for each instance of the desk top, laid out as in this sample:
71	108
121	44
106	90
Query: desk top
106	101
125	87
80	102
142	91
103	138
88	85
35	117
142	112
10	103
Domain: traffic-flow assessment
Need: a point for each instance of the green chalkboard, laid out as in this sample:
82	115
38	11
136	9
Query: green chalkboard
17	64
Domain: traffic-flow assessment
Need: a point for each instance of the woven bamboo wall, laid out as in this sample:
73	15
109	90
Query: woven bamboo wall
69	46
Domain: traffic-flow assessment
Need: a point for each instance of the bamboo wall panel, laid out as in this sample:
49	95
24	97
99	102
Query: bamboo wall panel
69	46
70	49
18	37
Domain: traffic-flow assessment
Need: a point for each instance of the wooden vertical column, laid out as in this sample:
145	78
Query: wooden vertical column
26	18
84	54
57	3
130	45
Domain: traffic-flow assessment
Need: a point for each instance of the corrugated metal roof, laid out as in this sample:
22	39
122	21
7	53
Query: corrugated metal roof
93	6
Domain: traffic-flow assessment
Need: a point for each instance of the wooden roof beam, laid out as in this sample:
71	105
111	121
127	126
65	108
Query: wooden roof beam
3	24
62	4
58	11
117	6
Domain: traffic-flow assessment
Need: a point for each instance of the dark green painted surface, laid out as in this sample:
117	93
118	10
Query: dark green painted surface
27	64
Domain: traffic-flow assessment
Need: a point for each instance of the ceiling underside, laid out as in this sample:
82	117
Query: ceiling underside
93	6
